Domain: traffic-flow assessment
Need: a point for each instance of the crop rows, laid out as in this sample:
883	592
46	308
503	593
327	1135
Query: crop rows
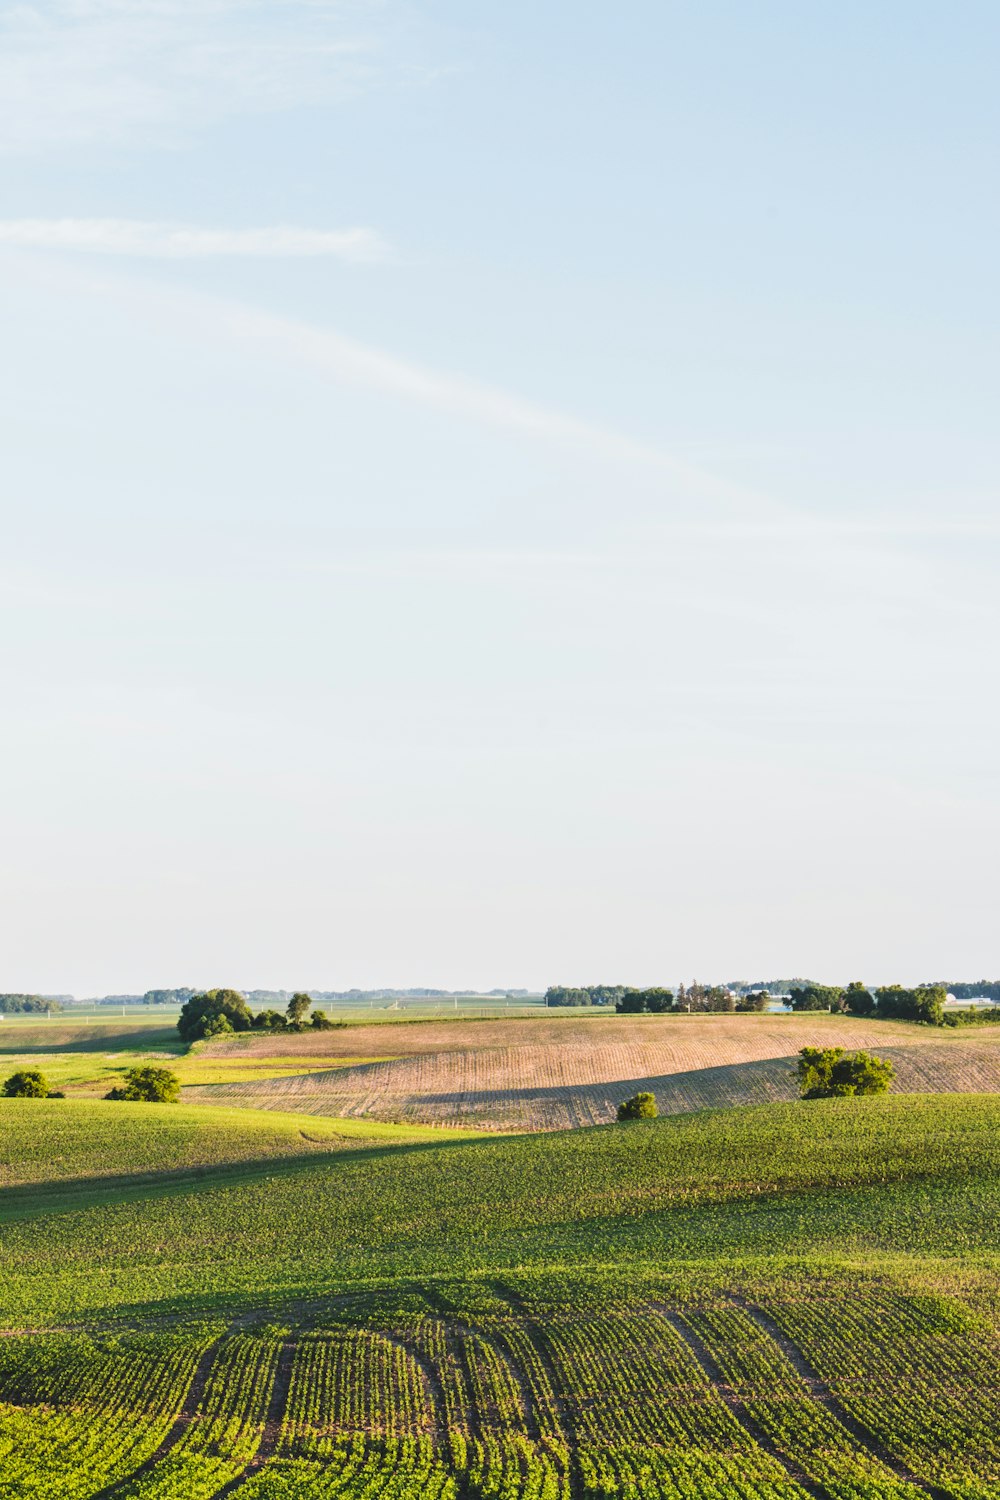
77	1413
499	1400
926	1386
558	1074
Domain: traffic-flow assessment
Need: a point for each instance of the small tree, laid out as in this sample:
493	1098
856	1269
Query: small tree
639	1107
148	1085
27	1083
201	1010
320	1021
832	1073
298	1008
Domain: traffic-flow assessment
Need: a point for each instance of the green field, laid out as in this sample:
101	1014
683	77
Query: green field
777	1301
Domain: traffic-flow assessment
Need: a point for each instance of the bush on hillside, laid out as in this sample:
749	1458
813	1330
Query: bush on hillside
639	1107
268	1020
27	1083
201	1010
832	1073
148	1085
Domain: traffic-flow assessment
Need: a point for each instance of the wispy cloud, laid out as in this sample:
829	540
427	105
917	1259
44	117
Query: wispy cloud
186	241
78	72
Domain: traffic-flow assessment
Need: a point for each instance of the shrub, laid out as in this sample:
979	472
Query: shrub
27	1083
639	1107
832	1073
268	1020
320	1021
201	1010
148	1085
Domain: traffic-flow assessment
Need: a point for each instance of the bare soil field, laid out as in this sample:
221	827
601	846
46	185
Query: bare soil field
554	1074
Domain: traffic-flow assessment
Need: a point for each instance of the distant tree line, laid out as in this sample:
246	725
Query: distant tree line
219	1012
631	1001
890	1002
979	989
21	1005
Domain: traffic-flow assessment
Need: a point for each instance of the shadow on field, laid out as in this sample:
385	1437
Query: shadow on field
368	1091
78	1193
31	1039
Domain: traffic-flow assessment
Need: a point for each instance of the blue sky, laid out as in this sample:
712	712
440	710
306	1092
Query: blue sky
497	494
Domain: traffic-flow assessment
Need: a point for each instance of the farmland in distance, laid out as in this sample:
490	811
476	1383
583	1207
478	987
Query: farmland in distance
563	1072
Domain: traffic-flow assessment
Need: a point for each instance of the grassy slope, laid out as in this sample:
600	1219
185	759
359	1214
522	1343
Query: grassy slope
70	1143
692	1196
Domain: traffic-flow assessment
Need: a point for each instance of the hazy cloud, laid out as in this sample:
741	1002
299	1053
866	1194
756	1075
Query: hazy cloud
185	241
76	72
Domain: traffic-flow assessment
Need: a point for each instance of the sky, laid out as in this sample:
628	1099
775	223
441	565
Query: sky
498	495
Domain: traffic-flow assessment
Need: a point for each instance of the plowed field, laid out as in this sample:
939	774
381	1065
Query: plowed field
554	1074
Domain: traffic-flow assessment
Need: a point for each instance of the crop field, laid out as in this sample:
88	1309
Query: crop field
555	1074
763	1303
514	1386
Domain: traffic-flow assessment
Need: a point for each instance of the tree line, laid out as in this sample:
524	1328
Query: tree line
22	1005
219	1012
630	1001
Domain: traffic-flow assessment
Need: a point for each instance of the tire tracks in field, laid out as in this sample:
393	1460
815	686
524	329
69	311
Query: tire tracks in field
273	1420
179	1426
821	1392
737	1406
568	1433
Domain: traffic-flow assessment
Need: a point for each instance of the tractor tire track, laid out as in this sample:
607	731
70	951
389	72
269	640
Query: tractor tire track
822	1393
738	1407
179	1426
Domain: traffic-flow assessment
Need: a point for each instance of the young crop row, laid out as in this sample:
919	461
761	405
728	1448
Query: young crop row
501	1400
779	1401
925	1387
78	1413
348	1380
360	1468
225	1429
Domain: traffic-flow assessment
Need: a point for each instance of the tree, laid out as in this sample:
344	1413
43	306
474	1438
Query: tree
631	1003
199	1012
218	1026
858	1000
298	1008
26	1004
268	1020
27	1083
148	1085
639	1107
658	1001
924	1004
321	1021
756	1000
832	1073
814	996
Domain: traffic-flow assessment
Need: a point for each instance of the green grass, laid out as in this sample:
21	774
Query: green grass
80	1148
755	1304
